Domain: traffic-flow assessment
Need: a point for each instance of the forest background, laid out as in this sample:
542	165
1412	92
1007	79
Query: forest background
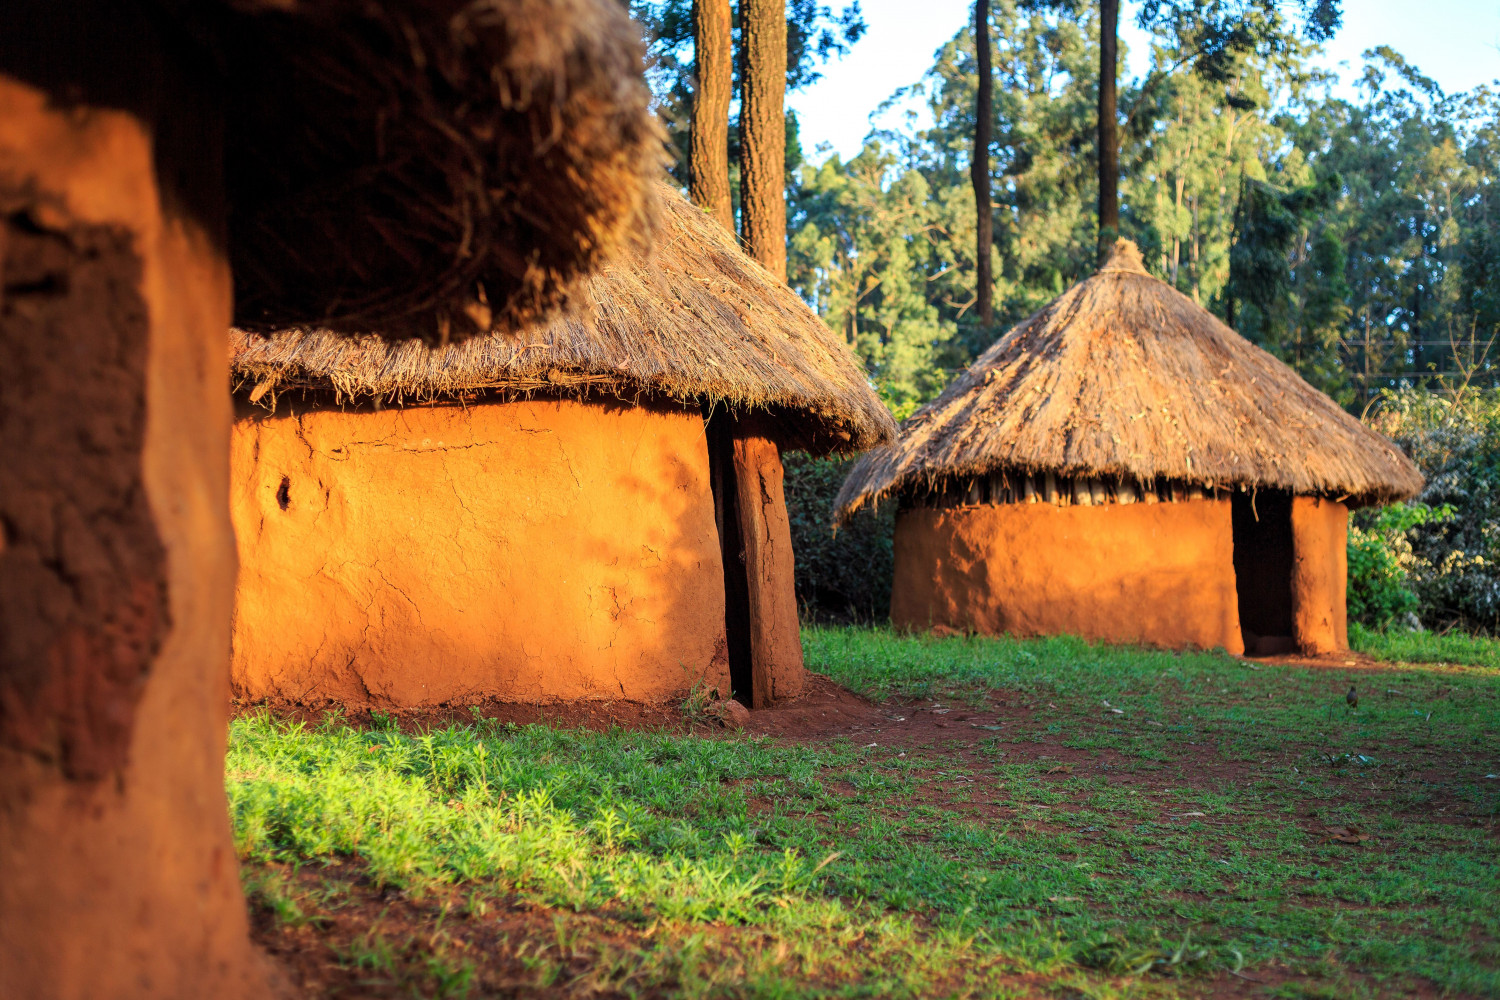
1355	237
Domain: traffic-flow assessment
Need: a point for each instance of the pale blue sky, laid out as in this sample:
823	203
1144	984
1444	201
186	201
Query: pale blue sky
1456	42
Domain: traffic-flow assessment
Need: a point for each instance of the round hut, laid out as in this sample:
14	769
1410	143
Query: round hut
1124	467
591	511
419	164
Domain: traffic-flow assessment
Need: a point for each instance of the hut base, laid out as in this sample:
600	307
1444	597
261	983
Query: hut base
538	551
117	870
1159	574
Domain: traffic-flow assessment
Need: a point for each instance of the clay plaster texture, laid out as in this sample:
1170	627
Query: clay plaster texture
1159	574
1320	575
537	550
117	871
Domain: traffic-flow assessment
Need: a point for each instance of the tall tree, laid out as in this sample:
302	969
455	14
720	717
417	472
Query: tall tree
1109	143
1212	32
979	167
763	132
708	157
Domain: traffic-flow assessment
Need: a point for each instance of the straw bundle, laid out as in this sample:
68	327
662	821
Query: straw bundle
434	168
694	319
1124	379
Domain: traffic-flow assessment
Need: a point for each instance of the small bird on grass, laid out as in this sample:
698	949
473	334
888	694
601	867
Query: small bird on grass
1352	698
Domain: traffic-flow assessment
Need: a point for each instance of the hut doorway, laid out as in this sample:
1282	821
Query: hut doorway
719	428
755	537
1263	551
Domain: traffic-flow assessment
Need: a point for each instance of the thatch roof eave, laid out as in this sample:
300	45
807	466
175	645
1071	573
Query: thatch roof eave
1122	375
694	319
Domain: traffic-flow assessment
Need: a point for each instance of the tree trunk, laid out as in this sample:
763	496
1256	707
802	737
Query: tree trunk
763	132
1109	141
708	156
979	168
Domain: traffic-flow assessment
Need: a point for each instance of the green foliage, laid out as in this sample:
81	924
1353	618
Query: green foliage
1381	562
1356	239
843	574
1454	562
861	253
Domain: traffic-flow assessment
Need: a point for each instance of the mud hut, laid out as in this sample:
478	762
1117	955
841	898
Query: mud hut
1123	466
437	167
591	511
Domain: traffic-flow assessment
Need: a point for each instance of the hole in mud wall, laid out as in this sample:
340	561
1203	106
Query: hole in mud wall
720	432
1263	570
284	493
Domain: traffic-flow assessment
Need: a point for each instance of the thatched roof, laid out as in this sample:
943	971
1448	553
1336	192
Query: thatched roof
1124	376
426	167
693	319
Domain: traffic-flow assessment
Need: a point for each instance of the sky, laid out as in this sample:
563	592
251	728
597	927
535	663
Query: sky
1456	42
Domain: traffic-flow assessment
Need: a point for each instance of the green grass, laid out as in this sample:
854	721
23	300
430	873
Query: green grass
1187	835
1426	647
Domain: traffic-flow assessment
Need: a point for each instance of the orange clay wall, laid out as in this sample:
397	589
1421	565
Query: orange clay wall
1161	574
526	551
1320	575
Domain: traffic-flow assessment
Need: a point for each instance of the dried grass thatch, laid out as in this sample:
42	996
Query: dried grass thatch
1123	376
435	168
693	319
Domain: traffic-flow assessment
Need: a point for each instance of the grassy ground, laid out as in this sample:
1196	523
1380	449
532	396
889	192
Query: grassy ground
1426	647
1090	821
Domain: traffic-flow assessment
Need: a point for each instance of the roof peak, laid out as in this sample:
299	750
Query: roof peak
1124	256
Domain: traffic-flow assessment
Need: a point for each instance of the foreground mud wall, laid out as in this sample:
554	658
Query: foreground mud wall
529	551
1161	574
117	872
1320	575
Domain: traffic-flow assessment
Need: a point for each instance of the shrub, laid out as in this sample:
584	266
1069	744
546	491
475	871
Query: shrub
1455	441
1382	564
842	575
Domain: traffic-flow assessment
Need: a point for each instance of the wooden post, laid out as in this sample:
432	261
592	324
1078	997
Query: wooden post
777	670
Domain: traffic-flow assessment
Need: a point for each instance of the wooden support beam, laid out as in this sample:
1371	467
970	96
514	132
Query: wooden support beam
777	669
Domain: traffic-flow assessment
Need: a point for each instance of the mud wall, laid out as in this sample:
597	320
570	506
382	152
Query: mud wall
531	551
1320	575
117	871
1161	574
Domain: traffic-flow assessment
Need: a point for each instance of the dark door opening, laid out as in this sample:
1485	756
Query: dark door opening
1263	570
720	431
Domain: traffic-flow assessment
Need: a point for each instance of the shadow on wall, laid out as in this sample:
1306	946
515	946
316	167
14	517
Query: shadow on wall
535	550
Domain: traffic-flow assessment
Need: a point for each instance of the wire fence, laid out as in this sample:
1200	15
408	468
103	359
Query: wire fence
1373	365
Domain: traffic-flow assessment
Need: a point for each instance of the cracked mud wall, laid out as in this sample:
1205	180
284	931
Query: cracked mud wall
540	550
118	877
1159	574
